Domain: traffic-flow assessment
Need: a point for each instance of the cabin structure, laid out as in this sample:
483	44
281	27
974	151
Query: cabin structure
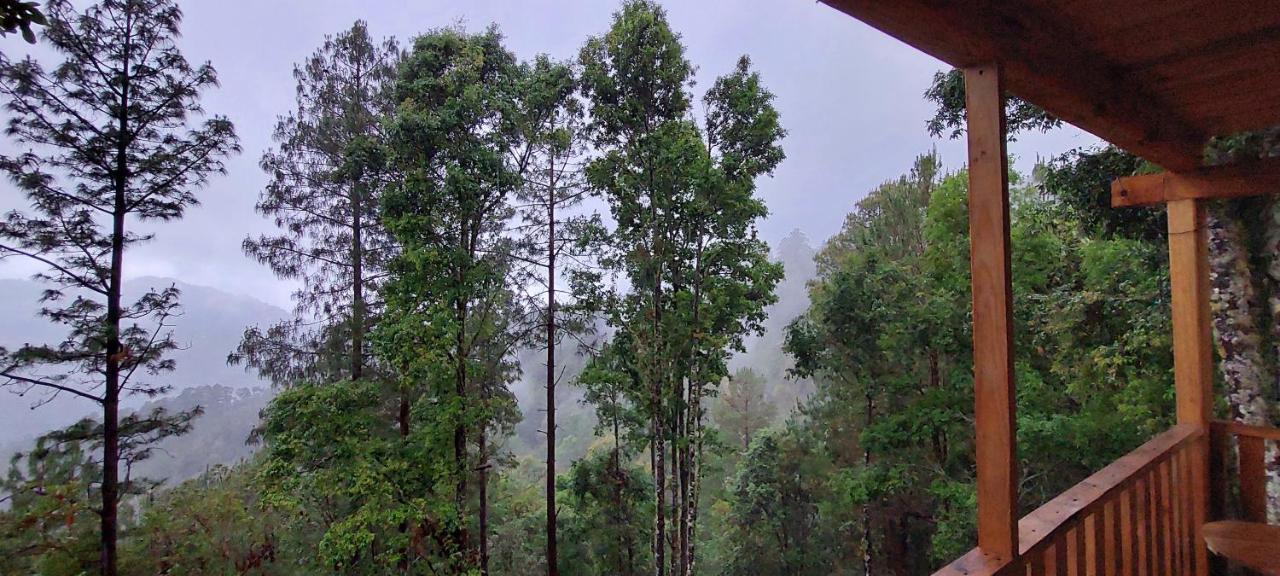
1159	78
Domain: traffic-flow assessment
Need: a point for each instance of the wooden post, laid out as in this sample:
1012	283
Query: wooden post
1193	352
994	416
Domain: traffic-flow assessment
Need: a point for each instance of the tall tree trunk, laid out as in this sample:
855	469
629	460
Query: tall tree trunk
673	492
1271	249
692	425
460	427
1233	298
115	352
357	284
621	521
553	568
659	489
866	505
403	419
111	396
483	486
695	480
655	398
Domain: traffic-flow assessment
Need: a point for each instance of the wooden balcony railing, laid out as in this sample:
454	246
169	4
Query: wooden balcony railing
1250	452
1132	517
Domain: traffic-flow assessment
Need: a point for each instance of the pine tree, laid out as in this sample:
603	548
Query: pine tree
557	240
327	175
110	141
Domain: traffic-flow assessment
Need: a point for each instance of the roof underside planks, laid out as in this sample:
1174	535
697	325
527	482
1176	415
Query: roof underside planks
1155	77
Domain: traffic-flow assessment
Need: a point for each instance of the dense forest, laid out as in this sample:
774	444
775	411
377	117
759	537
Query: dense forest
460	219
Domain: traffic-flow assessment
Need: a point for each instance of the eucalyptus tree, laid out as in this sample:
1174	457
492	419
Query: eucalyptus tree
731	280
18	15
108	139
452	140
635	78
683	200
327	175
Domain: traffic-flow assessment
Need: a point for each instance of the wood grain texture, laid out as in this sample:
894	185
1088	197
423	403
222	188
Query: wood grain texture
1242	429
1253	478
1192	352
1256	178
1155	77
994	414
1251	544
1048	63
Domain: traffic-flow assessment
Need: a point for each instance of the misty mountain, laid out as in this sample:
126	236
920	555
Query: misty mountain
764	353
209	327
218	436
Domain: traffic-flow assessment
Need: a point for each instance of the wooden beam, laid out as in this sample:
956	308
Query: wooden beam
994	416
1255	178
1192	322
1192	351
1044	63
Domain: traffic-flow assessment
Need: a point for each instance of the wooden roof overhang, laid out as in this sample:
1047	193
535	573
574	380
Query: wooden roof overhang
1158	78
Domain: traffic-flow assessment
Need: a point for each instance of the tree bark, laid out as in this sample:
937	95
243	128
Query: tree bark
484	504
552	560
460	389
1271	248
403	419
655	398
357	284
673	490
114	350
1233	297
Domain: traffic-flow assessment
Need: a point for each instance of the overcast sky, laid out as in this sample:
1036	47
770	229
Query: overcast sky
850	97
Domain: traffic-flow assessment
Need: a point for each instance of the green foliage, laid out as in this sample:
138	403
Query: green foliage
887	340
606	524
327	175
438	174
17	14
48	525
215	524
1081	181
741	409
697	278
777	527
107	138
947	92
337	469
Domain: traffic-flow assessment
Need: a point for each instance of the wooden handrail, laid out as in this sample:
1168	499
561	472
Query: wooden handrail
1241	429
1084	498
1049	524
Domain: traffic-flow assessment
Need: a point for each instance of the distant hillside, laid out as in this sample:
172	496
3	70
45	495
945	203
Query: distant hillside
213	321
208	329
219	436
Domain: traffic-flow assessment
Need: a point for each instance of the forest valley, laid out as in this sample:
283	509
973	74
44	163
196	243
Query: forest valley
456	216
